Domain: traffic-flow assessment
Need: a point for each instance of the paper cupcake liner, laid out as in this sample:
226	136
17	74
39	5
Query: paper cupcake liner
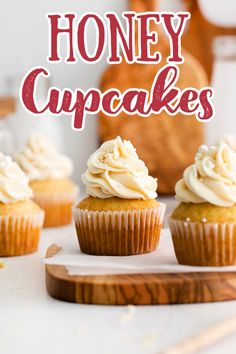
203	243
20	234
57	206
119	233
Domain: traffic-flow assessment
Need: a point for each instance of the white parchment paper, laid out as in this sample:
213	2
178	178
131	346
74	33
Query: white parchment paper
159	261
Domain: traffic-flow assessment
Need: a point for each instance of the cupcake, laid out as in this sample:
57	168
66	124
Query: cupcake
21	219
203	226
120	215
48	172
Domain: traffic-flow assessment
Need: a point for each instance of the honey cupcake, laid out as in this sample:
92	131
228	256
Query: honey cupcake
21	219
203	226
120	216
48	172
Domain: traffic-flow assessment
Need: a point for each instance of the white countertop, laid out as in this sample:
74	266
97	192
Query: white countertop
32	322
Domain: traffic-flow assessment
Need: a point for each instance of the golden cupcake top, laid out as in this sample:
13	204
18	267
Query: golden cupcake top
116	204
40	160
20	208
55	186
212	178
14	184
204	213
115	170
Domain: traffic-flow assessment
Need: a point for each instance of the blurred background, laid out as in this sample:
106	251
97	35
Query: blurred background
209	56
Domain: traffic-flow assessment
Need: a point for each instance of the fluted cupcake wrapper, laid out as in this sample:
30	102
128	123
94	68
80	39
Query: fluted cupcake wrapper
57	206
20	234
203	243
119	233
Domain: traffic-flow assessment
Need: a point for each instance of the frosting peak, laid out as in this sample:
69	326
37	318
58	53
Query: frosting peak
115	170
212	178
40	160
229	140
14	185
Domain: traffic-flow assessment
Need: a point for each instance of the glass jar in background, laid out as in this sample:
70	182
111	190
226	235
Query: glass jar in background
6	138
23	123
7	107
224	84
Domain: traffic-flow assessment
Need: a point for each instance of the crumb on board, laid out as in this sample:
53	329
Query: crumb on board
128	313
82	332
2	265
149	340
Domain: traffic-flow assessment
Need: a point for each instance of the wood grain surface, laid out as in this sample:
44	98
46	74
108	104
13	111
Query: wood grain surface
7	106
139	289
167	144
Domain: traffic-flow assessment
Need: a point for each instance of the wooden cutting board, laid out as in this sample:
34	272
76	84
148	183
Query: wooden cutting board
139	289
166	144
200	34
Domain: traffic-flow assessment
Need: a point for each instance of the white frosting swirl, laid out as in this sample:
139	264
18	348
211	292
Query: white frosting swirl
211	179
115	170
14	184
229	140
40	160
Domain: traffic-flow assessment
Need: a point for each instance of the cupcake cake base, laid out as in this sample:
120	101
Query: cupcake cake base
118	232
204	244
56	198
20	227
204	234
